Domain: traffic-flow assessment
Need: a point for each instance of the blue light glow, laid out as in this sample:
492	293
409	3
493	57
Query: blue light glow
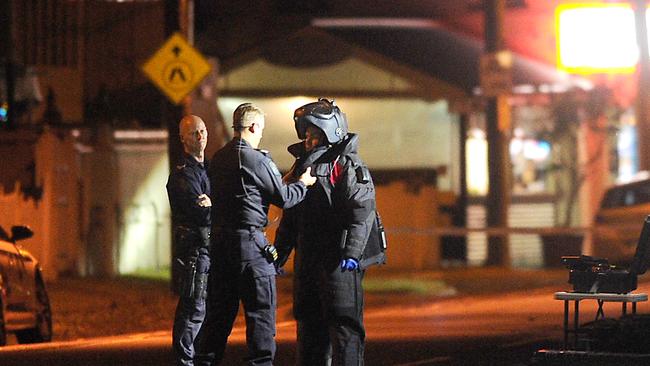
3	113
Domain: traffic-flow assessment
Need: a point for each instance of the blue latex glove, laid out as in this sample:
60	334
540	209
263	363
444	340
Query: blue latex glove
349	264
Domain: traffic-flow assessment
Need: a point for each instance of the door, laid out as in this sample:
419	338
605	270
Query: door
10	275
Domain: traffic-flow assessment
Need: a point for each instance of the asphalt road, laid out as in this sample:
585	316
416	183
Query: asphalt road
485	330
503	329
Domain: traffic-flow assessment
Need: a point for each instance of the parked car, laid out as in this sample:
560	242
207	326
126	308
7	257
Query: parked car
619	220
24	304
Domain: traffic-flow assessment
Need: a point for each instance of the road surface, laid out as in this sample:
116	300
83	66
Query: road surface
486	330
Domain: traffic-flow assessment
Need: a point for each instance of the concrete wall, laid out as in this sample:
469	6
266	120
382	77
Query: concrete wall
57	171
144	241
54	217
100	205
127	221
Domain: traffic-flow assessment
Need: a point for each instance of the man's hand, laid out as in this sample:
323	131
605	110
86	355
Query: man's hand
279	271
349	264
204	201
283	257
306	178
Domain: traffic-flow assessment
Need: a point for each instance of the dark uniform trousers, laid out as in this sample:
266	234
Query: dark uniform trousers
191	307
332	297
240	272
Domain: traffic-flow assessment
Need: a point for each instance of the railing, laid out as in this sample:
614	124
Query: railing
493	231
531	247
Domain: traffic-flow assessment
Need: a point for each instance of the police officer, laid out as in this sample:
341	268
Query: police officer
330	231
188	189
245	181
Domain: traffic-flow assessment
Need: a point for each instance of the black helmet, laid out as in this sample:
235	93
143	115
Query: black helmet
323	114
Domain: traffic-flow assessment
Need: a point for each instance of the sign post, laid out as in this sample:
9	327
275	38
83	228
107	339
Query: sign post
497	126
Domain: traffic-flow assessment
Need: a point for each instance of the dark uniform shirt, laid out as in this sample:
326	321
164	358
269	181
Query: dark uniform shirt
186	183
245	181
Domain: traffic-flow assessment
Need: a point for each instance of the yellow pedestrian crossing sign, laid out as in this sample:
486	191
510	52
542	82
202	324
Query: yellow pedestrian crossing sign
176	68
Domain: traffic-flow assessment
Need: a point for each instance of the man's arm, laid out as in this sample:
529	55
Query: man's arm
189	198
281	194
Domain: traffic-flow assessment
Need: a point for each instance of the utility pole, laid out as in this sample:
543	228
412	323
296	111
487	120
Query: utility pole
186	22
176	20
497	125
643	87
172	114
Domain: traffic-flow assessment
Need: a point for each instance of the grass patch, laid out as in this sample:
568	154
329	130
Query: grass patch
424	287
162	274
414	286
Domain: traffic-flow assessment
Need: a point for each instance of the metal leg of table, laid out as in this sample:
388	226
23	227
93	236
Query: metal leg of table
624	308
576	322
634	308
600	314
566	324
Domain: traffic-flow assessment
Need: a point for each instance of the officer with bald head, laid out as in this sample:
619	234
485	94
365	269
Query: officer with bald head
188	189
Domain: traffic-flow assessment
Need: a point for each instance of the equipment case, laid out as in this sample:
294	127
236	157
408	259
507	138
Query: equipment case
590	274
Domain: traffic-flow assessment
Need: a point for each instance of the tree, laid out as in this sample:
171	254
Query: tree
581	123
578	115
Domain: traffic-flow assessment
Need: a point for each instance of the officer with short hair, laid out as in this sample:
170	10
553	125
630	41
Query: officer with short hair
330	231
188	189
245	181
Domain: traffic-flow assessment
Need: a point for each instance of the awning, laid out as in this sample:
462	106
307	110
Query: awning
428	47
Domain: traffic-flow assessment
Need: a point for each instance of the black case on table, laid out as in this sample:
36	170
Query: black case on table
590	274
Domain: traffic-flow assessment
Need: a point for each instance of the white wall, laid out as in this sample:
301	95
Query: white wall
394	133
143	208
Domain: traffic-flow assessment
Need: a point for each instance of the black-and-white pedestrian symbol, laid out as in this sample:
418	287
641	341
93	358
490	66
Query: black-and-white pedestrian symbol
177	75
177	72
